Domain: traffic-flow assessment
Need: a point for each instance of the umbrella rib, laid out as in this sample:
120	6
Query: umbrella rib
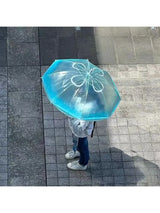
64	90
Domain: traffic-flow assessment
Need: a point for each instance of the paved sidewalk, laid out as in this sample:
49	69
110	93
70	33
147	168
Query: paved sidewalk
34	136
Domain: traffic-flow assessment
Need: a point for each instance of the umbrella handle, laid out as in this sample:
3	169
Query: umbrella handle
94	124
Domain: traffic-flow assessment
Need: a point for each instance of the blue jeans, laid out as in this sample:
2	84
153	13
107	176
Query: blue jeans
81	145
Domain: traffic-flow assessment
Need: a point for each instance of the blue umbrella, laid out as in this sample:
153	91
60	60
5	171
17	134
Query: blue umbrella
80	89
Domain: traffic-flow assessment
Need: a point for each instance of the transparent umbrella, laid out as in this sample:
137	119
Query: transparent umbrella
80	89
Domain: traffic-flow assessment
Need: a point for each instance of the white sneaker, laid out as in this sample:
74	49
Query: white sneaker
76	166
71	155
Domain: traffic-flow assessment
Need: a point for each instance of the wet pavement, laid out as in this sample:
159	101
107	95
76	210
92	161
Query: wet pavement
34	135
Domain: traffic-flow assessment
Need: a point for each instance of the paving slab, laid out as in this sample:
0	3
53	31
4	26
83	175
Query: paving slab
48	50
65	31
108	55
3	32
20	54
102	31
23	78
32	180
24	104
143	49
121	31
67	47
51	32
84	32
86	48
3	53
156	49
47	32
140	31
124	49
23	34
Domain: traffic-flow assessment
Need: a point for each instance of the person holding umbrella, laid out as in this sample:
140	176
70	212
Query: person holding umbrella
85	93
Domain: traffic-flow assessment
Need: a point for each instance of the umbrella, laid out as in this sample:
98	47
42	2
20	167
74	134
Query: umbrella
80	89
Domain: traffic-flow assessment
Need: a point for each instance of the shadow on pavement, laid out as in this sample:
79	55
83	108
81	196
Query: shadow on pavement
113	167
66	42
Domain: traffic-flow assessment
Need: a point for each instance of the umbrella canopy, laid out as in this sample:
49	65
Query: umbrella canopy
80	89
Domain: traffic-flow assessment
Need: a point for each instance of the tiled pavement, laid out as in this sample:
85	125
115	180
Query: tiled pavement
34	136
